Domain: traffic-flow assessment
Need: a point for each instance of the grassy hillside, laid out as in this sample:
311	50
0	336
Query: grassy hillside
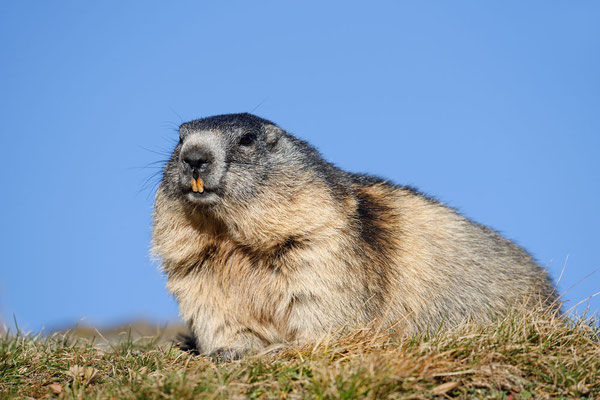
525	356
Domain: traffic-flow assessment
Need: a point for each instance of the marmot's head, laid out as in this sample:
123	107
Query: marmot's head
226	157
264	184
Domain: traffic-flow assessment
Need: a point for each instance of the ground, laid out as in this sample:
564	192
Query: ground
522	356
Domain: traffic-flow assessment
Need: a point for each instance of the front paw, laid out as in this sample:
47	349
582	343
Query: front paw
187	342
224	354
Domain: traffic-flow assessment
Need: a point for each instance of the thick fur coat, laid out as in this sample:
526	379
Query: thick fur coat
284	247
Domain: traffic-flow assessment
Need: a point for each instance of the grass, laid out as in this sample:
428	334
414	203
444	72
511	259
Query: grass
523	356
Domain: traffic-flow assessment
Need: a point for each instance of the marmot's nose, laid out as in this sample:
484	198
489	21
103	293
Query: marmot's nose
197	159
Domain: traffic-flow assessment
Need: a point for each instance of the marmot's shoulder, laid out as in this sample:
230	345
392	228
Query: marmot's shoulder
366	180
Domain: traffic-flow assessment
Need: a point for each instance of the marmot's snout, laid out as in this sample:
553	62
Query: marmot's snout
197	160
201	168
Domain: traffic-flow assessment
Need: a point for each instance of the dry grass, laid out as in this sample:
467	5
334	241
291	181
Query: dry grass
524	356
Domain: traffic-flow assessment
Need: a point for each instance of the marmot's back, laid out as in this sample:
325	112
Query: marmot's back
459	268
263	241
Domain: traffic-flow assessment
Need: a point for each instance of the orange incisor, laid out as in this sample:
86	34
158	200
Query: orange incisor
197	185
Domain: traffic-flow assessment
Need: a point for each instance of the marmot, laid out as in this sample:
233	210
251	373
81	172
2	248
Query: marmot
264	242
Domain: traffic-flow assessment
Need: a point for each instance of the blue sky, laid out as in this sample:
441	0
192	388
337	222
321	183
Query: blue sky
491	107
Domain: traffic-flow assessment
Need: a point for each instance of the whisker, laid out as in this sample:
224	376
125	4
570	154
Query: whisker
159	152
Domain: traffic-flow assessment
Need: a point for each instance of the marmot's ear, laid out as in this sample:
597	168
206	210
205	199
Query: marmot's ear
273	134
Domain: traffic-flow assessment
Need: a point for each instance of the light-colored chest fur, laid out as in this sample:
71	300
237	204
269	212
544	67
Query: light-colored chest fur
235	295
232	291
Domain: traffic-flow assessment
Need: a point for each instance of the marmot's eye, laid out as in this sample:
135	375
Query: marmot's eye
247	139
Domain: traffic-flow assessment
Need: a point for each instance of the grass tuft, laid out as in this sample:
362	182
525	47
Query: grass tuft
526	355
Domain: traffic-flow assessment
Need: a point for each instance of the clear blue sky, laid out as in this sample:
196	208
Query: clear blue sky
492	107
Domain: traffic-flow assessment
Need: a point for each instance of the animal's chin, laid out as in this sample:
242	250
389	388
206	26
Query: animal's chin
206	198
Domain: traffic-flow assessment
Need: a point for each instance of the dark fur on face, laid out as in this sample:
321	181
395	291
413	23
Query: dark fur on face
234	151
241	152
280	246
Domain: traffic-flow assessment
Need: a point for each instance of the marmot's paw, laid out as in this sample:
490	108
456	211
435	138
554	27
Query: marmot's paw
187	342
225	355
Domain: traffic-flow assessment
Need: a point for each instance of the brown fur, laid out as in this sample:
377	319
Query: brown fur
297	261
